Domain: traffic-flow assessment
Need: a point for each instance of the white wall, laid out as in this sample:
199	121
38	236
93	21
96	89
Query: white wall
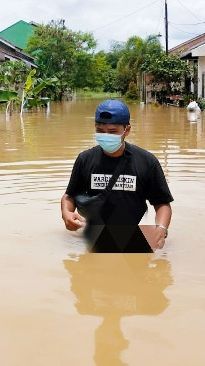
201	69
198	51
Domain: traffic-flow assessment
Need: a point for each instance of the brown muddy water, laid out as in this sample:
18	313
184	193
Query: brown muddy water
62	306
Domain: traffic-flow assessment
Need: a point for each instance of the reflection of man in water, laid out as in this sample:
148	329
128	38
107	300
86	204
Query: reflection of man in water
117	286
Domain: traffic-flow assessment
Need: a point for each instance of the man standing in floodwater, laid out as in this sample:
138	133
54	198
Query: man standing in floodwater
140	178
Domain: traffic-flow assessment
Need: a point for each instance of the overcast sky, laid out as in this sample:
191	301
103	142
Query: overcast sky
113	19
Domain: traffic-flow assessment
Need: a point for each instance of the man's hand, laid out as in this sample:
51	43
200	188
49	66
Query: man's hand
159	238
73	221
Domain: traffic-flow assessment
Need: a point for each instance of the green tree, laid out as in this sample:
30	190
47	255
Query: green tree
167	69
58	52
123	76
99	71
110	81
13	75
115	53
112	58
83	70
129	67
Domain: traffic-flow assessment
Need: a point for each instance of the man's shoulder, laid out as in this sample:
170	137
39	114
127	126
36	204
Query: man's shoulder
140	153
90	153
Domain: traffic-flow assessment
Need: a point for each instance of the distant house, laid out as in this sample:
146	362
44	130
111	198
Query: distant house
194	52
14	39
9	52
19	33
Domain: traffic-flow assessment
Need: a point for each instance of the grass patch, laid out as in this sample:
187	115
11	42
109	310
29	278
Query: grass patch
95	94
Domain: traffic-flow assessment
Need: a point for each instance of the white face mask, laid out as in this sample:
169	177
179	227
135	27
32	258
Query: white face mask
109	142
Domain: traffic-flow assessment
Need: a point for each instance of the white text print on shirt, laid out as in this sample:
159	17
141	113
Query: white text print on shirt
124	182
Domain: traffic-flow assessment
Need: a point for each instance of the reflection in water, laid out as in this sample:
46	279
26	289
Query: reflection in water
115	286
193	116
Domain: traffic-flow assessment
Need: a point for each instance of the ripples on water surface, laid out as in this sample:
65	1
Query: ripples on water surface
55	299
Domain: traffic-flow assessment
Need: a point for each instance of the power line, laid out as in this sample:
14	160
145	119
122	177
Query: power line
196	34
125	16
160	17
188	23
185	7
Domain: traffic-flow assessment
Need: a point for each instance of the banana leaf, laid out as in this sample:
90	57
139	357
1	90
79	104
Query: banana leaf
7	95
37	89
30	80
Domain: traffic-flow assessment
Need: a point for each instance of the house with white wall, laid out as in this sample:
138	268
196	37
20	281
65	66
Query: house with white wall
199	52
193	51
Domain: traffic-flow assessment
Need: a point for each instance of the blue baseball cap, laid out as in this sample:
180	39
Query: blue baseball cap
112	111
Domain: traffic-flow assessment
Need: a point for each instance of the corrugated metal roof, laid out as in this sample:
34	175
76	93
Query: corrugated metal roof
18	33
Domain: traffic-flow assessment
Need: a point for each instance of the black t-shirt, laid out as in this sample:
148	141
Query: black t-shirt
141	179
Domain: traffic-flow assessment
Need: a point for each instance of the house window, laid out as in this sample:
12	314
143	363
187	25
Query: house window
203	85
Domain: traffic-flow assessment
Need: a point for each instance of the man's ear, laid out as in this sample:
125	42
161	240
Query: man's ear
128	128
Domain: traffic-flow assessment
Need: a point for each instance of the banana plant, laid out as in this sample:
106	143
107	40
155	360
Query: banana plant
30	80
33	88
8	96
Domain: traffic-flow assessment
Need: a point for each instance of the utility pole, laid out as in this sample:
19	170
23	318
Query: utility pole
166	26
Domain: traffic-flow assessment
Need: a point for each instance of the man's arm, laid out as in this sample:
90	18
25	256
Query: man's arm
163	214
72	220
162	219
159	196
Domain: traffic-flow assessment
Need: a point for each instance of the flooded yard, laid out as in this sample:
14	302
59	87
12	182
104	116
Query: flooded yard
62	306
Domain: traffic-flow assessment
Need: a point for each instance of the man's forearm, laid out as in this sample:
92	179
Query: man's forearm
73	221
67	204
163	214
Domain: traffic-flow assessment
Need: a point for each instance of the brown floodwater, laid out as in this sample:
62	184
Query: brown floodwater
62	306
